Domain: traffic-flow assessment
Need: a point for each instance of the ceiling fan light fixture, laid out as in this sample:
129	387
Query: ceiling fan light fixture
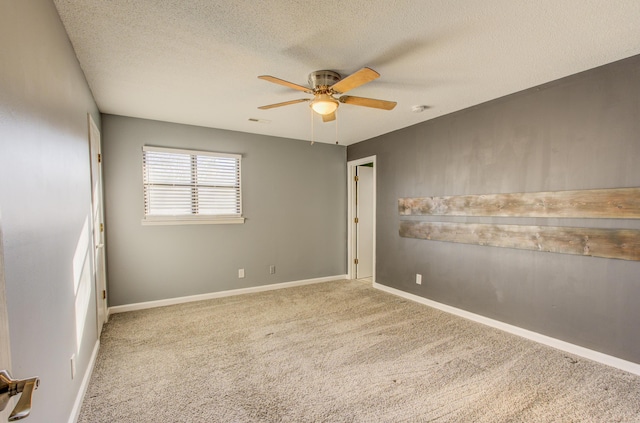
324	85
324	104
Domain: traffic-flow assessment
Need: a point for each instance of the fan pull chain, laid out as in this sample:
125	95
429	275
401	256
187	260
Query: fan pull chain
313	139
336	112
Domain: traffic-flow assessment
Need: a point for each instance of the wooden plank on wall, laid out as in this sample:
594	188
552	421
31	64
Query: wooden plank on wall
615	203
621	244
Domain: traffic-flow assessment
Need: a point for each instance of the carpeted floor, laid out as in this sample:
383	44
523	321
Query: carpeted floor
339	352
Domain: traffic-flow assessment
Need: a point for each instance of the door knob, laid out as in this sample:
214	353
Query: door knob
10	387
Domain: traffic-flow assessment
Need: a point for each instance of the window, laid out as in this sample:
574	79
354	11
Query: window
185	186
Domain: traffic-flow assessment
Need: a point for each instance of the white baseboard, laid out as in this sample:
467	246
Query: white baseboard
77	405
599	357
220	294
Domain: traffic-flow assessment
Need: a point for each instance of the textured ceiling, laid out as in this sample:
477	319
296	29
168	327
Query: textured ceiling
197	61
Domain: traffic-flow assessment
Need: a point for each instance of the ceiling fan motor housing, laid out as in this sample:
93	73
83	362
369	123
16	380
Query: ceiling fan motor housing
323	78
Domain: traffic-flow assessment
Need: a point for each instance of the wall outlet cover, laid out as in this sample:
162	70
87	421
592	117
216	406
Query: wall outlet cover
418	278
240	273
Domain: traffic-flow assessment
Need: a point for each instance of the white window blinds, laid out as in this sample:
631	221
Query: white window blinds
191	185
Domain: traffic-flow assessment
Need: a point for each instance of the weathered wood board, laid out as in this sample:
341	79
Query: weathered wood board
615	203
621	244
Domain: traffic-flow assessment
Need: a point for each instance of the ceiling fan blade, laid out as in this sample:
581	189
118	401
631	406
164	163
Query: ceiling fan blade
286	83
329	117
354	80
368	102
286	103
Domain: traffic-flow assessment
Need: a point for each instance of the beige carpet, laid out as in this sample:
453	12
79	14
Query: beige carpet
339	352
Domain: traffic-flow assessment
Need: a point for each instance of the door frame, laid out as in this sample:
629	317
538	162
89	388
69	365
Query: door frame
351	228
99	266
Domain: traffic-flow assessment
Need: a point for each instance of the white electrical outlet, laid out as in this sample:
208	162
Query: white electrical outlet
73	366
272	269
240	273
418	278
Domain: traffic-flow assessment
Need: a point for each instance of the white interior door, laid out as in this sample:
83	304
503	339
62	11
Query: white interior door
5	352
364	227
98	224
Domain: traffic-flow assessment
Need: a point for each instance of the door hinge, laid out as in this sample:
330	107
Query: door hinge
101	227
104	294
355	178
355	261
355	220
99	158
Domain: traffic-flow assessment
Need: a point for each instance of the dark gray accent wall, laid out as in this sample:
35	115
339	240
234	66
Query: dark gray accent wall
294	201
45	203
580	132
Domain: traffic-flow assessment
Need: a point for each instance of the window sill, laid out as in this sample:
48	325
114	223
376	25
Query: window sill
203	221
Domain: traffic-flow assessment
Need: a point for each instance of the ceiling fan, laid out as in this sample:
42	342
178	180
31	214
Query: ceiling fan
325	84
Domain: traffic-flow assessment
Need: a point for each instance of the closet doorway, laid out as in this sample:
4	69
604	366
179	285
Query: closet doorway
362	216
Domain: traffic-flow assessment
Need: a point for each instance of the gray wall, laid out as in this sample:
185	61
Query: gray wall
294	201
581	132
44	200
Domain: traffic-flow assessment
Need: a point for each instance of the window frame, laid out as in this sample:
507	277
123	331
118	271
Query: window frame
190	219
